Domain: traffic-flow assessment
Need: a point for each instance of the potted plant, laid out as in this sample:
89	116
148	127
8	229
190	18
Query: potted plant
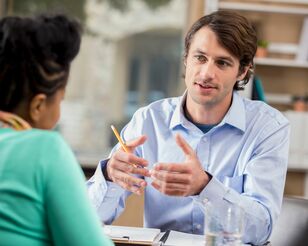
262	48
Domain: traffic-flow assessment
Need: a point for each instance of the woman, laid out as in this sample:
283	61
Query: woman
43	199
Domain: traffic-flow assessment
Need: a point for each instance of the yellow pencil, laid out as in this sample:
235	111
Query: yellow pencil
116	133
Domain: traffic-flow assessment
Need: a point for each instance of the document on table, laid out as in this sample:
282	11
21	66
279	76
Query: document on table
152	236
132	235
176	238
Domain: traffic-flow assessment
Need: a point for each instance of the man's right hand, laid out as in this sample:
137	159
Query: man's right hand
122	166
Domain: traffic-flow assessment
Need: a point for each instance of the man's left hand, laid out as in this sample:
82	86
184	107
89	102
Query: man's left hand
180	179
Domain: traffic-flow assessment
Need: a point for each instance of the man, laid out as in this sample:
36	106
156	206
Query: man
210	144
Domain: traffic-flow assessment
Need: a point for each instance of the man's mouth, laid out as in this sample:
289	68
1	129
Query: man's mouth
206	85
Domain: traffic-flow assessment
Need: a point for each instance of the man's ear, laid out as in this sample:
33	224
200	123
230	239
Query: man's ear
243	73
185	61
37	107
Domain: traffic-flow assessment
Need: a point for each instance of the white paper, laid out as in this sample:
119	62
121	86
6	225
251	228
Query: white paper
184	239
136	234
302	54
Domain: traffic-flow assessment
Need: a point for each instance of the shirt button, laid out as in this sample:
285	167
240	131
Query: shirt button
205	200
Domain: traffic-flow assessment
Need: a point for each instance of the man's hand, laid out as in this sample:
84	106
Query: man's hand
122	165
180	179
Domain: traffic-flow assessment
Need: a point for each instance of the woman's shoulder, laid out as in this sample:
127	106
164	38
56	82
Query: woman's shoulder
48	134
35	138
50	146
40	135
48	139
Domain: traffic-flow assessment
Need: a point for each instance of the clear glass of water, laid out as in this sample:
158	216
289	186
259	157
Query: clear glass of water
223	224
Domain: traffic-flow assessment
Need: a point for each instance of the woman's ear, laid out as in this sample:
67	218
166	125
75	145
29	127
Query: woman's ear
37	107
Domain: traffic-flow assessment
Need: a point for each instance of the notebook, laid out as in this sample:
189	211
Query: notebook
176	238
132	235
151	236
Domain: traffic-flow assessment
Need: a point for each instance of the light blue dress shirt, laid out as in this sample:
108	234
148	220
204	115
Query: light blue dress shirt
246	153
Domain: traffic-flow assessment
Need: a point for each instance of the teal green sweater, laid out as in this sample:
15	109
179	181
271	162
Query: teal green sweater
43	198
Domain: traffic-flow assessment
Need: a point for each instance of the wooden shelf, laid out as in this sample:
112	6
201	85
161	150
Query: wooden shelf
280	62
278	98
263	7
286	1
293	168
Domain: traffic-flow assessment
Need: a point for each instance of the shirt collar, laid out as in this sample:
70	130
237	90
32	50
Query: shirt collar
178	116
234	117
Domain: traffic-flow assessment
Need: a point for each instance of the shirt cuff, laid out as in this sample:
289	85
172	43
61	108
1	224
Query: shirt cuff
214	190
217	191
113	189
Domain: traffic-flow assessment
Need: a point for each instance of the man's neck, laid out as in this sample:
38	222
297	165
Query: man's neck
208	114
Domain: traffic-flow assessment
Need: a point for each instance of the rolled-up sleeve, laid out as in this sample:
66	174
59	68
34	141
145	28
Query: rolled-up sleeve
262	183
107	197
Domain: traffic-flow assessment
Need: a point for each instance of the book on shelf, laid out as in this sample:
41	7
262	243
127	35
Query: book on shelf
298	152
302	53
282	48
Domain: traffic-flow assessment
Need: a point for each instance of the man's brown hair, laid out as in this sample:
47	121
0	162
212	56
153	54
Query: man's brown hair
235	33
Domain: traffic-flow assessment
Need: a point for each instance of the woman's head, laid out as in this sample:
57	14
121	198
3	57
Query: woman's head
35	58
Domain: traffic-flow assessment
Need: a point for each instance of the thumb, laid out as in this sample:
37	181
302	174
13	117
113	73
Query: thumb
136	142
184	145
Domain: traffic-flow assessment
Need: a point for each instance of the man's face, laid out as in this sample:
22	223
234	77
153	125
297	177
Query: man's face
211	72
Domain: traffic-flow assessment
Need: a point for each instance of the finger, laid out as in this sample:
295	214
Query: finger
169	186
130	158
119	165
116	164
141	171
132	169
136	142
128	179
170	192
172	167
131	188
184	145
171	177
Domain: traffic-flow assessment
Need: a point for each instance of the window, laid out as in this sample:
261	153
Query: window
130	56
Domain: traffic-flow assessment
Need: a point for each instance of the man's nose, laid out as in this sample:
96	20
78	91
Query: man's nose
208	70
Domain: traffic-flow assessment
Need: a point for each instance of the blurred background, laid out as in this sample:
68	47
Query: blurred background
131	55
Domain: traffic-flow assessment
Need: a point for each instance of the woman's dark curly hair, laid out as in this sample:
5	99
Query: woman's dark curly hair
35	56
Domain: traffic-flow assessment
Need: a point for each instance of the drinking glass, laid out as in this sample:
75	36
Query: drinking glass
223	224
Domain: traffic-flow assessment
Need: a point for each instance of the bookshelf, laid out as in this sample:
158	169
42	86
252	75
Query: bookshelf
280	22
262	7
276	62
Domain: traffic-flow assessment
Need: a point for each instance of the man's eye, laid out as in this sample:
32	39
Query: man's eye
201	58
222	63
